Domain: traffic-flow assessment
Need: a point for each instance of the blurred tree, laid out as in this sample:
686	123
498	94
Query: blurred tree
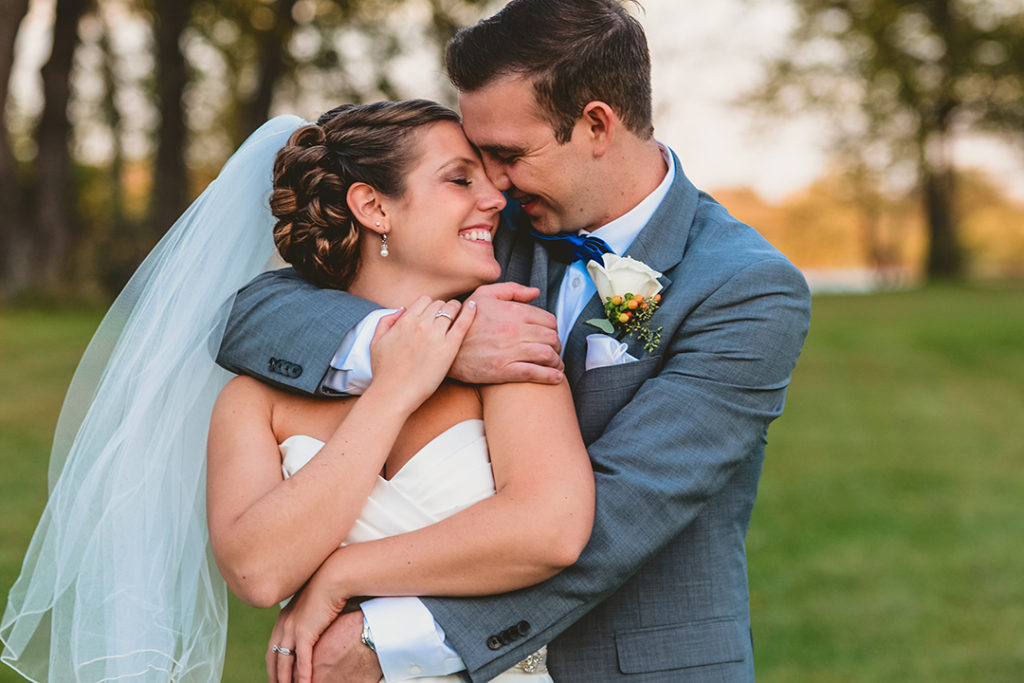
993	229
13	274
112	242
273	32
151	129
53	228
170	172
448	16
918	72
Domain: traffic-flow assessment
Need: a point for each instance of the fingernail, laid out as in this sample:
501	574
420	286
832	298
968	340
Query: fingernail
471	304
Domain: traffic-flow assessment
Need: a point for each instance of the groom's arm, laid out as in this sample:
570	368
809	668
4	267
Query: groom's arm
661	458
286	331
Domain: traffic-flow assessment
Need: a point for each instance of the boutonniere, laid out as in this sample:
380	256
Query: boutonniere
629	290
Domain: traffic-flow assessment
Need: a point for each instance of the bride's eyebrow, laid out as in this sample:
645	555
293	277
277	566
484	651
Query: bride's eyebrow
459	161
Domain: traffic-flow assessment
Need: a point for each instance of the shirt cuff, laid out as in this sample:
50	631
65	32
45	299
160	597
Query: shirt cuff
410	644
350	371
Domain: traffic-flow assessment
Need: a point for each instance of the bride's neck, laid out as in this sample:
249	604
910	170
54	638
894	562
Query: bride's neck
390	288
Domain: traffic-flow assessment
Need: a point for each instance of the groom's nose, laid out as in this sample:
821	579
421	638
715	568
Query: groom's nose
497	173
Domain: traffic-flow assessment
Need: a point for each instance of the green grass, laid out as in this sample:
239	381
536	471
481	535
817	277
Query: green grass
886	542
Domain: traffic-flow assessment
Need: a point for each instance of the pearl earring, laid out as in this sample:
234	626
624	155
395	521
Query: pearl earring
384	244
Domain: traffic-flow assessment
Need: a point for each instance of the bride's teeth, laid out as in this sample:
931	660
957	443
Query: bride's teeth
477	236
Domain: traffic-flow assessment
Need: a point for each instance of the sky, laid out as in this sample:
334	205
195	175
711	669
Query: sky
704	54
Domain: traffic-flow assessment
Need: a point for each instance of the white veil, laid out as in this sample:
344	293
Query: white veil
119	582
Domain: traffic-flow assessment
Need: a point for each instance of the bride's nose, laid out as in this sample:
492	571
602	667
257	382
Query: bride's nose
490	198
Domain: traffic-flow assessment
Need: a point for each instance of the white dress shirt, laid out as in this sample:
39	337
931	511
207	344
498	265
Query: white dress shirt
409	643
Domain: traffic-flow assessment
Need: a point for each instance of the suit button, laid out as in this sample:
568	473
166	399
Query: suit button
494	643
523	627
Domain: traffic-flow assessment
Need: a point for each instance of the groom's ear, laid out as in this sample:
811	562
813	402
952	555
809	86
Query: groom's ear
365	204
599	124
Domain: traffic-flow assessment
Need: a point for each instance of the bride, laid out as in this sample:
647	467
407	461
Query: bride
420	486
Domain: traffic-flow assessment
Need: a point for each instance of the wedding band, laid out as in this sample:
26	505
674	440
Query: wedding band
444	314
282	650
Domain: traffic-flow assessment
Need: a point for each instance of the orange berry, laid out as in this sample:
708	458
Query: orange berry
624	317
657	298
643	305
616	301
639	297
633	303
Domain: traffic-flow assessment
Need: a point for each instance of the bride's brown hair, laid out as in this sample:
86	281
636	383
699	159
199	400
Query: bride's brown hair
372	144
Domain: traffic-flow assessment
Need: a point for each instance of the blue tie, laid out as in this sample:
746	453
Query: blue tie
568	247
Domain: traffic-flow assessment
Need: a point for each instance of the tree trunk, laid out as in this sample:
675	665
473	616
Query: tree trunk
945	259
118	249
55	196
271	65
170	175
13	240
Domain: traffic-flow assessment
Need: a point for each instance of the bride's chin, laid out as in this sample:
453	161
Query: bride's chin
450	285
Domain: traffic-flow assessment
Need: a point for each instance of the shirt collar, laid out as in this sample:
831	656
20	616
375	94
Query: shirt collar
620	233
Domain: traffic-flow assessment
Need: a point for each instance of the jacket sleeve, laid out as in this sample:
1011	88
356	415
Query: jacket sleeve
662	456
284	330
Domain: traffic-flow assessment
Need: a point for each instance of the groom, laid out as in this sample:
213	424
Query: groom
556	96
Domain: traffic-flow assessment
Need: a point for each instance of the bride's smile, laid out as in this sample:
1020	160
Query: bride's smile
440	228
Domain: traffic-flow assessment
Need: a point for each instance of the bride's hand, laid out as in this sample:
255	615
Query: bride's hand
299	626
412	350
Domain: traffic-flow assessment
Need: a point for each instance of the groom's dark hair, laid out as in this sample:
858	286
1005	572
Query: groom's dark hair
574	52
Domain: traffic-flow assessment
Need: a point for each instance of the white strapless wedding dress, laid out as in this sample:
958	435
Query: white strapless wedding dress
450	473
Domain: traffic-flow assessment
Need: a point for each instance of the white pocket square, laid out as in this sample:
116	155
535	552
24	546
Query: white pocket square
603	350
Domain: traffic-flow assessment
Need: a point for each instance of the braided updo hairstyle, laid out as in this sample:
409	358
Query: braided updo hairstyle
371	143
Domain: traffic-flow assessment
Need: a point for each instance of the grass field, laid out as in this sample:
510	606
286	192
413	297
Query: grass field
886	545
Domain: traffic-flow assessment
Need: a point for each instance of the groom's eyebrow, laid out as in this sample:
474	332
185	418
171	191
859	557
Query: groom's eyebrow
501	150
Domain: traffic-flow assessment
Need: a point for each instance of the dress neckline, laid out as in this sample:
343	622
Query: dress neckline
426	446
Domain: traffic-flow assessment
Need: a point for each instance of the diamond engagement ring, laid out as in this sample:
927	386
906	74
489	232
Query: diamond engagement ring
282	650
444	314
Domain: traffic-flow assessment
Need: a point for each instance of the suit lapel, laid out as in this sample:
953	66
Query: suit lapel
539	275
660	245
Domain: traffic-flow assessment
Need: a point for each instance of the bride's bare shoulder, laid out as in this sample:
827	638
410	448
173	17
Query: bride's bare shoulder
251	393
244	386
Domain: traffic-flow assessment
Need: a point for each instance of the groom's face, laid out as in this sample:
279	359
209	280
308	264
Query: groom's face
523	158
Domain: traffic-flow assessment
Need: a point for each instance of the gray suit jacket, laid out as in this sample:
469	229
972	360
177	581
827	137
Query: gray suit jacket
676	439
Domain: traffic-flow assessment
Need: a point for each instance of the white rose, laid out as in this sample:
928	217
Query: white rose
622	275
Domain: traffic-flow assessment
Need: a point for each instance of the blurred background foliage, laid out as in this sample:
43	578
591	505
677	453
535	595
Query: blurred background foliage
901	80
143	100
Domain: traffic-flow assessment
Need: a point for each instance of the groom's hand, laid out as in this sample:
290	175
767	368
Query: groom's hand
510	340
341	657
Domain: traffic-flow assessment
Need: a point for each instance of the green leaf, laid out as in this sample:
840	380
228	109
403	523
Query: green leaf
602	324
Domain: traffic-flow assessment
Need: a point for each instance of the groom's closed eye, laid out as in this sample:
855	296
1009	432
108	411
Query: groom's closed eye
501	154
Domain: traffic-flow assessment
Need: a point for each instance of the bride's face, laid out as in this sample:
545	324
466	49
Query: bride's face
442	225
